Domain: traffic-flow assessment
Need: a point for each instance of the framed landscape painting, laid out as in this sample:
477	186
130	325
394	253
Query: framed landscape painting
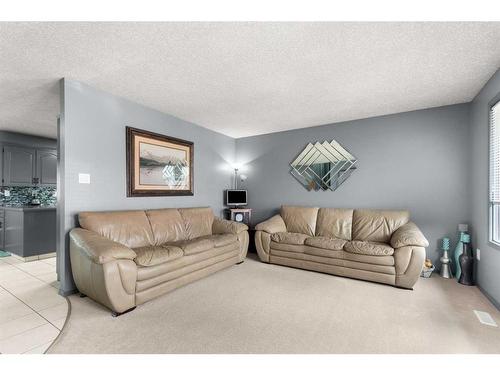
158	165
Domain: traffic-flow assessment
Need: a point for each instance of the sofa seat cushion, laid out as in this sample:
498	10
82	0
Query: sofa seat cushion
289	238
368	248
220	240
326	243
152	255
198	245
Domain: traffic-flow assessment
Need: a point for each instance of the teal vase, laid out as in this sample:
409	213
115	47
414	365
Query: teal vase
456	255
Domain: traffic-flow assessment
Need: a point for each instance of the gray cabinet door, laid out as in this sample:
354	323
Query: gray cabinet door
18	166
2	229
14	232
46	167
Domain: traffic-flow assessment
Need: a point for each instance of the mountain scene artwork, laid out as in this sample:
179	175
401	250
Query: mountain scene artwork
158	164
163	166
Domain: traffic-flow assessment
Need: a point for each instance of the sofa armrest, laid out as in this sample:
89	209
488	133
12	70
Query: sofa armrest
408	235
272	225
221	226
98	248
408	261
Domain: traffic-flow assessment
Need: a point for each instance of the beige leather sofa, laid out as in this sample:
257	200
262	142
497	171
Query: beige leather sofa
125	258
380	246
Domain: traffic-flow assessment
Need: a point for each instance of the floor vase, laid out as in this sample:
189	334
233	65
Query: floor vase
467	265
456	255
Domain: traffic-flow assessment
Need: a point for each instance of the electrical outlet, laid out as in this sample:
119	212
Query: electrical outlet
6	193
478	254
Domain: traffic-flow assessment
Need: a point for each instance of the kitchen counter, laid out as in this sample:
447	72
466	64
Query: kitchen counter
28	208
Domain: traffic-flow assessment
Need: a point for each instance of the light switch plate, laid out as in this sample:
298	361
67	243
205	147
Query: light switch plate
6	193
83	178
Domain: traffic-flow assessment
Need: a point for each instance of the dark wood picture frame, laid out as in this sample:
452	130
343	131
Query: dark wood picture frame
135	190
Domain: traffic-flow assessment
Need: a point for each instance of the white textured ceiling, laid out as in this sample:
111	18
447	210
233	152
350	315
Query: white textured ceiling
243	79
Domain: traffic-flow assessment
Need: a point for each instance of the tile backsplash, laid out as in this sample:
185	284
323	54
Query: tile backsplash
22	195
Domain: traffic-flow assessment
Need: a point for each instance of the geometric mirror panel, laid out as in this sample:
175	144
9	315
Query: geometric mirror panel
323	166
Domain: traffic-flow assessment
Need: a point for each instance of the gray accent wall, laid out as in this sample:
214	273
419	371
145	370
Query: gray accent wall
92	140
488	268
415	160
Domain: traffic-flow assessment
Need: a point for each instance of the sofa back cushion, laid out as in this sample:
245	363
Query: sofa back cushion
377	225
130	228
334	223
300	219
167	225
197	221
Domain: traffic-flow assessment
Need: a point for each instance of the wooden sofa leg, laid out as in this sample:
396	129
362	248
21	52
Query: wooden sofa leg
115	314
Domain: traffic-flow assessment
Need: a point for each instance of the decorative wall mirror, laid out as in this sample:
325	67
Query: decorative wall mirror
323	166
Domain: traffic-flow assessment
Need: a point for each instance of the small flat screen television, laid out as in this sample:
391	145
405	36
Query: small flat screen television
236	197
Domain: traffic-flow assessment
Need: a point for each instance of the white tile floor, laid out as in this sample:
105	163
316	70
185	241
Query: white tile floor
32	313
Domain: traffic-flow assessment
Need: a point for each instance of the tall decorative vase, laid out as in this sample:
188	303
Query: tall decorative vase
445	260
462	228
456	256
466	262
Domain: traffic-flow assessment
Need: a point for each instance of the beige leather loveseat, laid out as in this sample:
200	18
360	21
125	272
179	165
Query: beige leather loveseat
380	246
125	258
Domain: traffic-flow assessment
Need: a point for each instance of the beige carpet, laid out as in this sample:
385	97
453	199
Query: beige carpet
262	308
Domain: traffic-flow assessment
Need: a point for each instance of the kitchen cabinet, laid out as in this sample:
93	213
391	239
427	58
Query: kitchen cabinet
25	166
29	231
18	166
46	167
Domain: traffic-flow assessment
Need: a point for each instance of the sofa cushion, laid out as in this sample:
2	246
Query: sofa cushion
376	225
334	222
152	255
195	246
326	243
220	240
167	225
130	228
289	238
368	248
300	219
197	221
